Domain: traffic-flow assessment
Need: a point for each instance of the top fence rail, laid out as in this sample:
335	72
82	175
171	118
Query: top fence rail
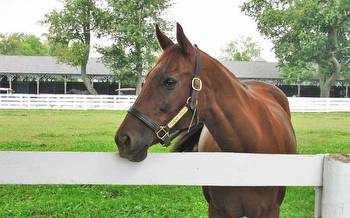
124	102
236	169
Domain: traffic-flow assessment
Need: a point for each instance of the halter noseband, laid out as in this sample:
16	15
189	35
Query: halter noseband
163	131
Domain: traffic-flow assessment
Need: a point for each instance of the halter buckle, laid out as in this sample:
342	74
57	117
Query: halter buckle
162	133
197	84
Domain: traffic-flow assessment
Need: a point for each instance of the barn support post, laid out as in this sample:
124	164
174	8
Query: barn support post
336	186
298	90
10	81
38	85
65	84
119	87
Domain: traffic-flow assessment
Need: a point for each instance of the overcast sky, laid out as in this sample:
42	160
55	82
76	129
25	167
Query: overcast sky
210	24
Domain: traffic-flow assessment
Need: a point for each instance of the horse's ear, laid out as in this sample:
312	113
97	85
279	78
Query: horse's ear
184	43
163	40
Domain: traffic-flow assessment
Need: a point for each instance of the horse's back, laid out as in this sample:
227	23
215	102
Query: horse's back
269	93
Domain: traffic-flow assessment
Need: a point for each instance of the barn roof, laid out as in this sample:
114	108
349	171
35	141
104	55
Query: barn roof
38	65
253	69
47	65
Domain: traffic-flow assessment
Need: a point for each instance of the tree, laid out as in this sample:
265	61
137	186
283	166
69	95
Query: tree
131	26
70	33
307	34
244	49
22	44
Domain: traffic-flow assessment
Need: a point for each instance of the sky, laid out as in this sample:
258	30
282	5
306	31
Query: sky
208	23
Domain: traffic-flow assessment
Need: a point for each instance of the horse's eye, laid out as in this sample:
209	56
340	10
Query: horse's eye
169	83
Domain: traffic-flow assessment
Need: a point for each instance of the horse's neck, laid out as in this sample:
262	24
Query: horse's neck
228	108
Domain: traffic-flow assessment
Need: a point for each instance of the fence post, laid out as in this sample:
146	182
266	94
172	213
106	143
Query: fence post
318	202
48	98
115	102
329	107
28	101
85	102
336	187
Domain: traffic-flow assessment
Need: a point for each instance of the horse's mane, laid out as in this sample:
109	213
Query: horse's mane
187	141
231	74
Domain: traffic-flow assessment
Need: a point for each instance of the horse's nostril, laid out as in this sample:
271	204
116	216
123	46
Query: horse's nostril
124	139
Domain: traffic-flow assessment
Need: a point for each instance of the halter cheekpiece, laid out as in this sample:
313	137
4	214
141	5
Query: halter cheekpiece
163	131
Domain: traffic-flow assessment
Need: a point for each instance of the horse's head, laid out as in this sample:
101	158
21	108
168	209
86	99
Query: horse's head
163	105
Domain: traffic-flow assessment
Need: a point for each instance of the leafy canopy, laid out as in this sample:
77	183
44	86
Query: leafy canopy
131	27
308	35
70	30
244	49
22	44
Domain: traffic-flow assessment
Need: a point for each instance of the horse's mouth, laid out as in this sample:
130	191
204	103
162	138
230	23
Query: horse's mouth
137	156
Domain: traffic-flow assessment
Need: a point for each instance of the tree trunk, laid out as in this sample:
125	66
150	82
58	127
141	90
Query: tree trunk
139	69
326	83
139	86
87	43
87	81
325	90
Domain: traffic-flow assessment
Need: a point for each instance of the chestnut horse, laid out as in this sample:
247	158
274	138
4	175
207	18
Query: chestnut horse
187	87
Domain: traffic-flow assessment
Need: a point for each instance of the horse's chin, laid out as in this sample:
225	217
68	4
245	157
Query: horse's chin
135	157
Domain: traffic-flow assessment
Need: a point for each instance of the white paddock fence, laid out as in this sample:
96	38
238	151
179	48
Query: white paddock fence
329	173
69	102
304	104
123	102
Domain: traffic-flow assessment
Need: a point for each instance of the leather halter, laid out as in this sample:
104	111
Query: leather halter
163	131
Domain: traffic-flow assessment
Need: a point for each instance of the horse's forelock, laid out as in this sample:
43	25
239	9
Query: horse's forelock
170	55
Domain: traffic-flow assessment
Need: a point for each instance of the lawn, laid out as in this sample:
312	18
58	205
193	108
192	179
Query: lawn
38	130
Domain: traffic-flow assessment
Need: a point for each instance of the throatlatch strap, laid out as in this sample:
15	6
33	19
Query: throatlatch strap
196	82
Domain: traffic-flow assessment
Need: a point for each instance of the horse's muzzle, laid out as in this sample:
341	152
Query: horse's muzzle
129	149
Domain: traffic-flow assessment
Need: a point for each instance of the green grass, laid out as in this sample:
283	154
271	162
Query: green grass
51	130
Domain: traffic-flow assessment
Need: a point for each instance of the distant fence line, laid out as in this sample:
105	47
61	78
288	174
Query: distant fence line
66	102
305	104
123	102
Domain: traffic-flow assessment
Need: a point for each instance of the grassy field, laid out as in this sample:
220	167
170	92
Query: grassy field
94	131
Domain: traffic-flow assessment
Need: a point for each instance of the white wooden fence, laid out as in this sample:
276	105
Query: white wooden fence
302	104
70	102
330	174
123	102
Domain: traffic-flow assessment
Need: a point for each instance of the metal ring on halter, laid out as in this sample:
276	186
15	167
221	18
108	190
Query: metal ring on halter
197	84
162	133
188	100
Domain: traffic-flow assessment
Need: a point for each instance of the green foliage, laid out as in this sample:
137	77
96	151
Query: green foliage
131	26
297	73
306	32
70	30
244	49
22	44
